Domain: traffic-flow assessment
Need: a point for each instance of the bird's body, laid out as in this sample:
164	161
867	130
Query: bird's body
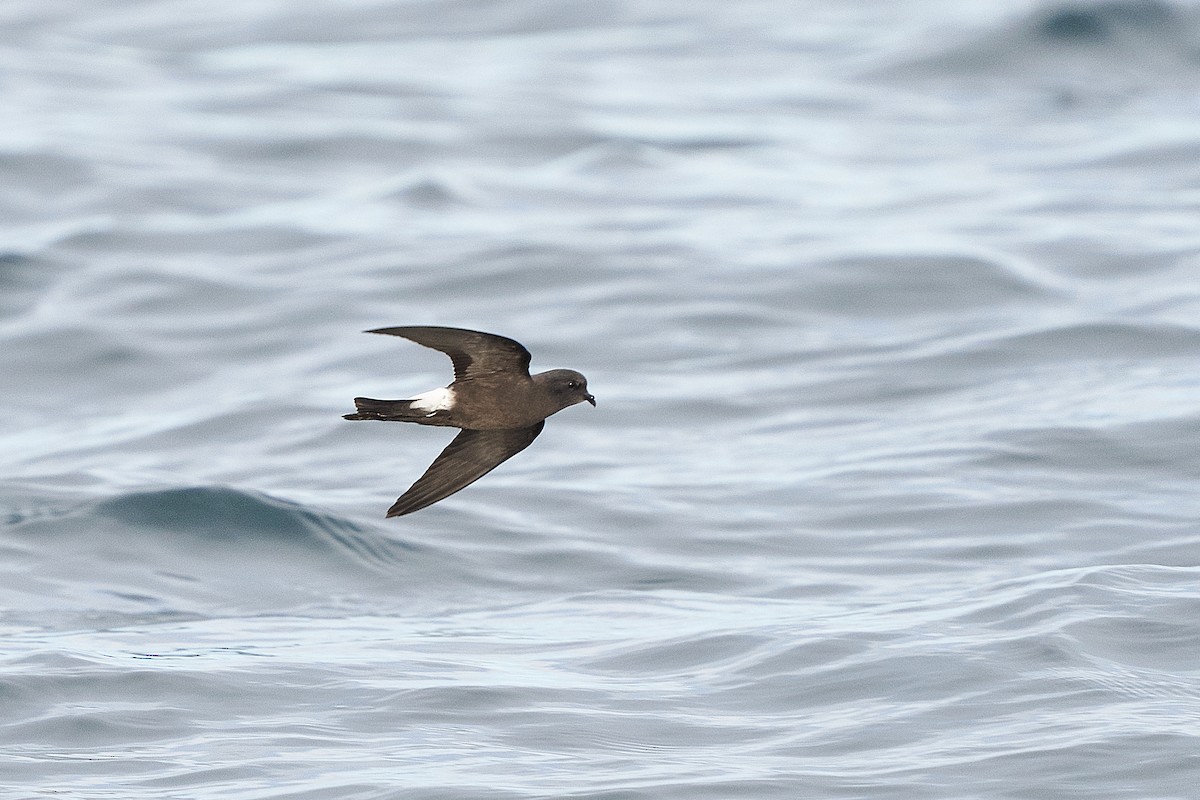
497	404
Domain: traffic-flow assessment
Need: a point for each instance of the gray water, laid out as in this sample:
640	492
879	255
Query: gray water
892	311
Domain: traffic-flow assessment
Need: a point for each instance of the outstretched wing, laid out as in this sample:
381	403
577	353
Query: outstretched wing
465	460
472	352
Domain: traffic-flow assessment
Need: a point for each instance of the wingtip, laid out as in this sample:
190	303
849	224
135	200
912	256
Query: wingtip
402	331
397	511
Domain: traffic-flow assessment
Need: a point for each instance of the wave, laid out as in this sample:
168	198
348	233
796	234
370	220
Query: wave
221	514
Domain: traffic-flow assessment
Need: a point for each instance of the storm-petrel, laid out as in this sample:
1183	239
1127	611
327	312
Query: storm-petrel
498	405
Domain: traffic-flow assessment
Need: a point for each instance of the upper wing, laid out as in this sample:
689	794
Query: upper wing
472	352
465	460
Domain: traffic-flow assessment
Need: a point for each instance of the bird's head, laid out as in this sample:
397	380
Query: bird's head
567	386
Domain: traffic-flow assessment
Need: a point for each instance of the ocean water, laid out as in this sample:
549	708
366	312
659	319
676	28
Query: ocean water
892	312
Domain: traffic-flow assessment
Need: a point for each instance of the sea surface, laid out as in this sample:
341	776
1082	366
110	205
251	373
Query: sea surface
891	309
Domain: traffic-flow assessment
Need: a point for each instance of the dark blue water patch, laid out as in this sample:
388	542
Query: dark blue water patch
223	517
23	278
149	556
1075	24
221	512
428	193
1118	25
1098	22
1067	58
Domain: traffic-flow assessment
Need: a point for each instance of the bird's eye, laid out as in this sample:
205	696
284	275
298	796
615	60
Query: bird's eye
572	384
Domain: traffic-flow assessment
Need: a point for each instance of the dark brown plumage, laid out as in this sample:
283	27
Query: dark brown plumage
499	406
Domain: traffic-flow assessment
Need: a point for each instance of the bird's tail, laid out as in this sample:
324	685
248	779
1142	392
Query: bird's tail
384	409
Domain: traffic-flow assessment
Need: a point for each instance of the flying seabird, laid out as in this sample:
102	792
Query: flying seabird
499	407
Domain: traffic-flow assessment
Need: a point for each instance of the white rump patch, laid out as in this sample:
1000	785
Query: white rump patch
434	400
